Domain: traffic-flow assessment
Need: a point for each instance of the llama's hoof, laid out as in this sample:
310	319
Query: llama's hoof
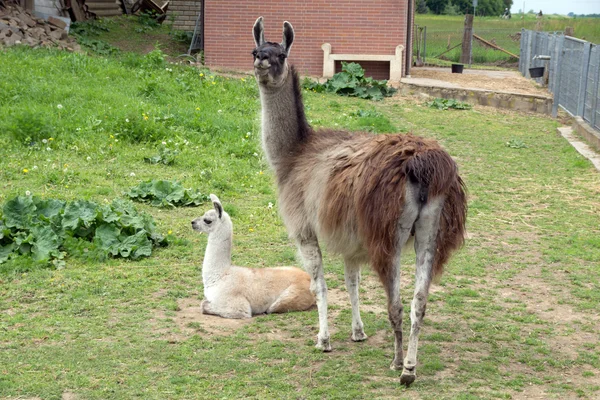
407	377
396	367
359	336
323	345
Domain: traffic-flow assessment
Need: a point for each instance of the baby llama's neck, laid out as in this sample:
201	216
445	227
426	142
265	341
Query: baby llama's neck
217	258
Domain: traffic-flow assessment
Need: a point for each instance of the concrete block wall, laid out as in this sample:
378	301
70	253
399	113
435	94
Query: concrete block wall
350	26
186	13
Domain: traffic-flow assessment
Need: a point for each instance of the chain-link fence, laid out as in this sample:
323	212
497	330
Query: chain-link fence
572	71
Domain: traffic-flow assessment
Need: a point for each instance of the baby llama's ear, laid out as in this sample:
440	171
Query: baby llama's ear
217	204
259	31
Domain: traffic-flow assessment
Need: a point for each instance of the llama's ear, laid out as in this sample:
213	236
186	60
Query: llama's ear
259	32
217	204
288	37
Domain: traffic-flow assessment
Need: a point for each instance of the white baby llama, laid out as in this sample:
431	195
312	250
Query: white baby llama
237	292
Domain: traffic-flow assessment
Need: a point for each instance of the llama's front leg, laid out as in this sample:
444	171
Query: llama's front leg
313	263
426	230
233	310
352	275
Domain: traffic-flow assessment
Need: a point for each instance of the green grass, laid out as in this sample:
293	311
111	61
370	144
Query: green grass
444	32
515	313
136	34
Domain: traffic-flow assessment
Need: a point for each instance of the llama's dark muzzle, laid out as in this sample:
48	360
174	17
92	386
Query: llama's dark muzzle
262	64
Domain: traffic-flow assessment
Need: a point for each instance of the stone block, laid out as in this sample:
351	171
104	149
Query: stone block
57	22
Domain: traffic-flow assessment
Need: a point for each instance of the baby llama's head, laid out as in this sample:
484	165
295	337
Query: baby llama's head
215	221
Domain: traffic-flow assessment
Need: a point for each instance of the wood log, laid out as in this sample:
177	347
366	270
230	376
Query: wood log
482	40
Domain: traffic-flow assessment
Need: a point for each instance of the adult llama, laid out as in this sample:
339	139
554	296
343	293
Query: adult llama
363	195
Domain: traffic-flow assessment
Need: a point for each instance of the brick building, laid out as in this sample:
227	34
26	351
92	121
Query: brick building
350	26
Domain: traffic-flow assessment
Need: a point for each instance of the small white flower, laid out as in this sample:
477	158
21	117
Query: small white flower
44	141
126	119
255	154
88	158
48	149
220	111
270	205
35	167
132	174
59	106
28	193
164	143
116	140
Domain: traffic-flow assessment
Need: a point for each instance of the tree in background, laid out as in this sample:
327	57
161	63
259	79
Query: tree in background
451	9
464	6
422	7
484	7
437	6
490	7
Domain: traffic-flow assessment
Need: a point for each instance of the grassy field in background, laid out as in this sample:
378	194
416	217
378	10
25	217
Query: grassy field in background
445	31
514	316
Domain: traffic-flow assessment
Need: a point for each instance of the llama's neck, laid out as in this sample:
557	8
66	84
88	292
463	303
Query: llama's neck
284	125
217	258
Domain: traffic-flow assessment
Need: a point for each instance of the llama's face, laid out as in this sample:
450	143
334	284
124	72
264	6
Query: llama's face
270	65
206	223
212	220
270	59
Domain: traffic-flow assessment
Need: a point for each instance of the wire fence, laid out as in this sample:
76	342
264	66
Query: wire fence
571	71
445	44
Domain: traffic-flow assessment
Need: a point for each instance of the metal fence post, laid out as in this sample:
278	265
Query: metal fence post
557	75
522	51
424	44
587	47
555	57
528	54
596	91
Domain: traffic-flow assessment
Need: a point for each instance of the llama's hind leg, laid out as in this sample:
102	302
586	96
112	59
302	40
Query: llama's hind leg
352	275
294	298
313	264
426	230
389	273
390	277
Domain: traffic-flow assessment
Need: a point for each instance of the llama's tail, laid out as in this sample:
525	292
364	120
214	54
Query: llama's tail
436	173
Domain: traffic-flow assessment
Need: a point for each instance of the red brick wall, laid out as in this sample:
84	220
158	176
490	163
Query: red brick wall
351	26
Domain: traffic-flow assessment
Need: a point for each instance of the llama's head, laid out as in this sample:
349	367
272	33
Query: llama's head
215	221
270	59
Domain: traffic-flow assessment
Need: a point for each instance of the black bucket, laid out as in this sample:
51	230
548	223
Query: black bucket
536	72
457	68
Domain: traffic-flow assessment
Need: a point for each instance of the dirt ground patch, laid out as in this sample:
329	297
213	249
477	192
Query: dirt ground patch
189	319
505	81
